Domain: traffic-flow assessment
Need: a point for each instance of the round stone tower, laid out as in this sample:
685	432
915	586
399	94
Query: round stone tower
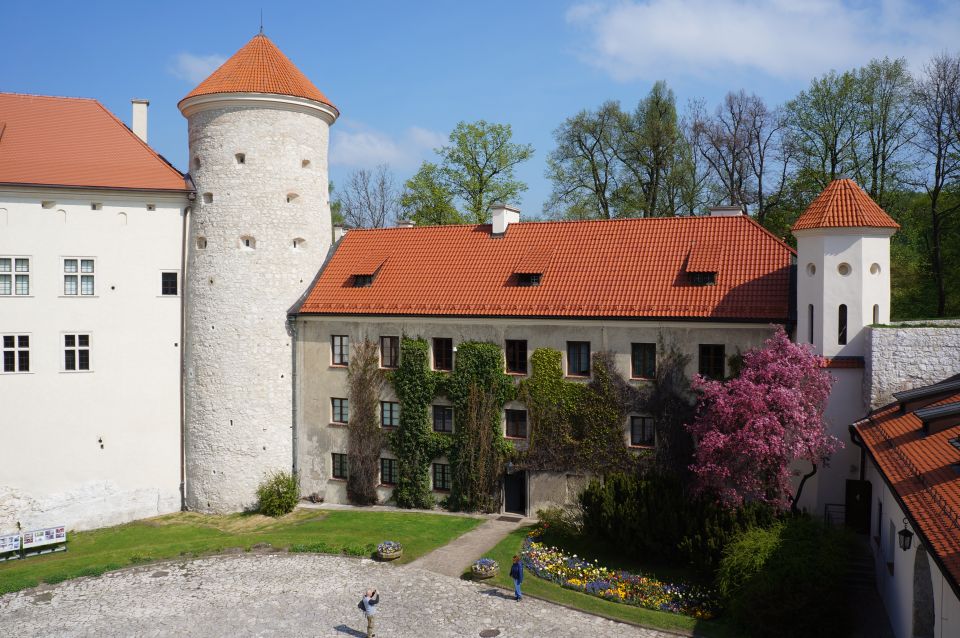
259	231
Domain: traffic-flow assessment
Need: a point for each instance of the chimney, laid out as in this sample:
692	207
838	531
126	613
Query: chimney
502	216
725	211
338	232
406	223
139	122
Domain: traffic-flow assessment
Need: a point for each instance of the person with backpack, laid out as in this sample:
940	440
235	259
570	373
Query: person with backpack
516	573
368	605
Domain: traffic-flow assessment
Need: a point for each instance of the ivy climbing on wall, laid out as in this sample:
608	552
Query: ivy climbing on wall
551	403
365	380
415	443
478	389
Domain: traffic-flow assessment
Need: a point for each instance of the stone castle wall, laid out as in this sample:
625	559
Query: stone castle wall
907	356
238	359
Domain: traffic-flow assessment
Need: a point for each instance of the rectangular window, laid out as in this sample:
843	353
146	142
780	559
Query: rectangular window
341	349
389	414
76	352
517	356
388	471
16	353
443	354
362	281
389	352
341	467
643	360
578	358
443	418
642	431
810	321
528	279
169	284
517	424
703	278
340	410
14	276
78	276
441	477
712	359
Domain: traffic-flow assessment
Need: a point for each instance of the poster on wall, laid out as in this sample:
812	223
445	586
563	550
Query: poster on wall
10	543
47	536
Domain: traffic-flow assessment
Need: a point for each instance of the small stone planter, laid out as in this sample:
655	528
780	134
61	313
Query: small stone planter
389	550
484	568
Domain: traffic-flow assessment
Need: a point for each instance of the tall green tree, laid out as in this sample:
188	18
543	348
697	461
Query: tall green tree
427	200
825	121
478	165
886	99
584	167
938	140
650	145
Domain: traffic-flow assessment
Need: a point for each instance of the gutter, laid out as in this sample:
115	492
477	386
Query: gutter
295	395
183	350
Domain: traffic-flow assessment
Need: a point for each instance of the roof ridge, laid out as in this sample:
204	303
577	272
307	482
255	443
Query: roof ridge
50	97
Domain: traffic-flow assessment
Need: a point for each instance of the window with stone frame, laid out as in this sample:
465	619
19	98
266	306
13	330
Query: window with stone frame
441	477
340	349
16	353
389	414
578	358
443	419
712	362
78	276
14	276
341	466
516	355
642	431
76	352
442	353
388	471
516	424
643	360
389	352
339	410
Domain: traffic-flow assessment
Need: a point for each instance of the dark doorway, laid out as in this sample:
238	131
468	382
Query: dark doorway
515	493
858	500
924	614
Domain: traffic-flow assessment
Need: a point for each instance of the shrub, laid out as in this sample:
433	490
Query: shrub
655	515
561	521
278	494
771	578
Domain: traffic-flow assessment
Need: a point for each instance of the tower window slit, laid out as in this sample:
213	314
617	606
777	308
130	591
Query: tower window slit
842	325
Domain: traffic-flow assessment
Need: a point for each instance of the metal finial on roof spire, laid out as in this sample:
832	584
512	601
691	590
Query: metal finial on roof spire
261	21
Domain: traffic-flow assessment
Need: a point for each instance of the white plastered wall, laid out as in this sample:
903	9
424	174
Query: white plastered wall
89	449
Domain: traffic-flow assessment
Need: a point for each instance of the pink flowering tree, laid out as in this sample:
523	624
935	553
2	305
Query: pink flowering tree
751	428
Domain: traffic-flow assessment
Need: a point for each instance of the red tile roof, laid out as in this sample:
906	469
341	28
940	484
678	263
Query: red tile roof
613	268
61	141
843	204
260	67
919	469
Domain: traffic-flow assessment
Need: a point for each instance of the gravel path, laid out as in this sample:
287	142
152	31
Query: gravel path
288	595
456	556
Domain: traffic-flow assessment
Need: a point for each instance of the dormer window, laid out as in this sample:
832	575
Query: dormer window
703	278
362	281
529	278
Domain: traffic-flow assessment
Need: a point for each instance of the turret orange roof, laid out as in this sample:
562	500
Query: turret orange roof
843	204
259	67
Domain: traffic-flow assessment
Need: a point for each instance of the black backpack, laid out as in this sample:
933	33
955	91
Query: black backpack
361	607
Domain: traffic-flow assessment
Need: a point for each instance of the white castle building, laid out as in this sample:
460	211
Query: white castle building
169	339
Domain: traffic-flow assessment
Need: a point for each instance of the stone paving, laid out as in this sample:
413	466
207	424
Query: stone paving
456	556
288	595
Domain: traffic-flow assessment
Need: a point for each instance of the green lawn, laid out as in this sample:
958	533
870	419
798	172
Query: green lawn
504	551
191	534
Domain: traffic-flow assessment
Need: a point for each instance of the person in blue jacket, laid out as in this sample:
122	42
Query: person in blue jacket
516	573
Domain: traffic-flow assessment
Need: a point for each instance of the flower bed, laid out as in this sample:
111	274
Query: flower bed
485	568
576	573
389	550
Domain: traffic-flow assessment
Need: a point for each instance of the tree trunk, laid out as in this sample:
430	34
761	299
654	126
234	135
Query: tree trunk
793	504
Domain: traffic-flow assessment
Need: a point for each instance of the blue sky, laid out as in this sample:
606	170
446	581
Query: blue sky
404	73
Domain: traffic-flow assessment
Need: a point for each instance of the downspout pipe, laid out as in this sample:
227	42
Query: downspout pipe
855	438
295	394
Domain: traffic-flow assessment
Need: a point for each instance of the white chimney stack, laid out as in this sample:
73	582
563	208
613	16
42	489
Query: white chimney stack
139	123
406	223
338	232
725	211
502	216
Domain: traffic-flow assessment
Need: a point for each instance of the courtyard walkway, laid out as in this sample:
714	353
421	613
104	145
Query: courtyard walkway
288	595
456	556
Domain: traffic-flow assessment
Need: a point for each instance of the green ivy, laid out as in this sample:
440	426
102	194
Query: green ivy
415	443
551	403
478	389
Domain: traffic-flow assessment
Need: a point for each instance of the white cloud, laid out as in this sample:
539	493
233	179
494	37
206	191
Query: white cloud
356	145
648	39
195	68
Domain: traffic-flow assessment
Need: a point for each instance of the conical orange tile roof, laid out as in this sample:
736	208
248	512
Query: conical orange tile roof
259	67
843	204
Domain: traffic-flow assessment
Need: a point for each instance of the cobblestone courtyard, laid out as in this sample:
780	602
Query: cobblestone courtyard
288	595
